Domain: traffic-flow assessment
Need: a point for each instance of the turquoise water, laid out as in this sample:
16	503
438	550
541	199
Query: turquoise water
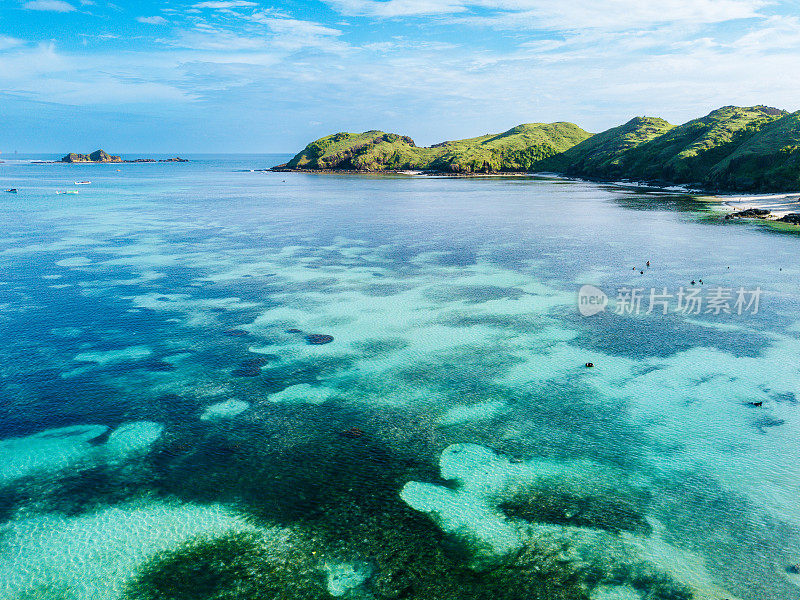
173	403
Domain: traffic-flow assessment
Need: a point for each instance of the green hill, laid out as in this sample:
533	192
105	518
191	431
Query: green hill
687	153
767	161
521	148
368	151
599	156
518	149
733	148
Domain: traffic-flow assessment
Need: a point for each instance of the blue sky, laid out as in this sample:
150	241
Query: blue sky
261	76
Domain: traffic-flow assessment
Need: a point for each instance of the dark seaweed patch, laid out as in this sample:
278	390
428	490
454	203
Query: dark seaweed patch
473	294
463	374
158	365
280	377
378	347
42	404
766	422
287	463
292	465
701	515
422	564
643	577
625	335
522	323
235	333
557	507
11	498
232	567
169	408
251	367
384	289
787	397
566	421
75	491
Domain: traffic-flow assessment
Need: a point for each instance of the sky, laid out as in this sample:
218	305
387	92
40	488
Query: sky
246	76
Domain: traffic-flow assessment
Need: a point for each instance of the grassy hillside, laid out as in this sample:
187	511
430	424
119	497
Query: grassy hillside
766	161
687	153
368	151
600	155
522	148
518	149
733	148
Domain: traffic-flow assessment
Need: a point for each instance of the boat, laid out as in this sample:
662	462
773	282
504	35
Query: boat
68	192
82	182
12	191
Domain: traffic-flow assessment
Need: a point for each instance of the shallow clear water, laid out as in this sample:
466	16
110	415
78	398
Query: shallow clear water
161	390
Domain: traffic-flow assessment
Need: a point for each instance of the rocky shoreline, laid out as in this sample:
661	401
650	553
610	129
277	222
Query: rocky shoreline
429	172
653	184
775	208
657	185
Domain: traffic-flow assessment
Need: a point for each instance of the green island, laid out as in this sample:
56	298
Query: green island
749	149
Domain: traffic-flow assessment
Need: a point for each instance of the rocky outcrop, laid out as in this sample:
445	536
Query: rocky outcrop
101	156
72	157
750	213
98	156
793	218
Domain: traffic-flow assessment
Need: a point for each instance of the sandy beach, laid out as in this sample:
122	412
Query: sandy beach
778	205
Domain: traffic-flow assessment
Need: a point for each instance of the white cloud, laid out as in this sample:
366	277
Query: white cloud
112	90
30	64
265	30
225	4
380	46
546	14
397	8
294	26
43	73
212	39
7	42
294	34
49	5
613	15
776	33
152	20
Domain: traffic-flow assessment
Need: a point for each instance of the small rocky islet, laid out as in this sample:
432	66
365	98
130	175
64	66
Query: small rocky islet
101	156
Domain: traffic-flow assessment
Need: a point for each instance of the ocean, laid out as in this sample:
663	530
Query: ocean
224	383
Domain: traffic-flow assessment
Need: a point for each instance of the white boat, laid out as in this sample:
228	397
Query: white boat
82	182
68	192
